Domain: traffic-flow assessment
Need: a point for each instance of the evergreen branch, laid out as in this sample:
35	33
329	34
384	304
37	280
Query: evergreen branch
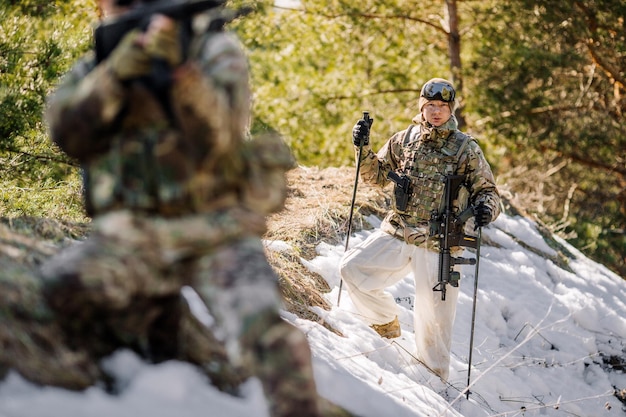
40	157
598	56
586	161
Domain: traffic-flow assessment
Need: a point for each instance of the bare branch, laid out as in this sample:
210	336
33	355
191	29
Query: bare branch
373	93
597	55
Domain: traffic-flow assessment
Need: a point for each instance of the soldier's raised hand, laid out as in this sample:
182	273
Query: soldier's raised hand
361	131
162	40
129	60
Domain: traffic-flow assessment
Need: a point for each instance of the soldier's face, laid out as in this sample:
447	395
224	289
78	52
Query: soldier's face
436	112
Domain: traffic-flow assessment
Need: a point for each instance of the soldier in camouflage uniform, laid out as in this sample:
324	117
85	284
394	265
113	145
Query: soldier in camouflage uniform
429	149
178	196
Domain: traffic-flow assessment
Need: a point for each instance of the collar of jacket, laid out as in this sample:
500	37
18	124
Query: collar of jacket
436	134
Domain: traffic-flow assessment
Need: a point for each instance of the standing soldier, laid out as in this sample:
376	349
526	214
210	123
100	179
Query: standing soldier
421	156
178	197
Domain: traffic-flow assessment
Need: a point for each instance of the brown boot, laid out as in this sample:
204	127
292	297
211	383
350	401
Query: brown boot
389	330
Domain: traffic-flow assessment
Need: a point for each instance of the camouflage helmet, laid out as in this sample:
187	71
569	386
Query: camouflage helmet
438	89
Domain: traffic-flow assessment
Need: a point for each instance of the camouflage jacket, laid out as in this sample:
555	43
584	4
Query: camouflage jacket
189	155
426	154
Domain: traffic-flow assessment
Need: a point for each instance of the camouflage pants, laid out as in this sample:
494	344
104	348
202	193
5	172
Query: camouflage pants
122	288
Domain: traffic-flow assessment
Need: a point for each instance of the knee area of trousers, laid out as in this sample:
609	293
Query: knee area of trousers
348	270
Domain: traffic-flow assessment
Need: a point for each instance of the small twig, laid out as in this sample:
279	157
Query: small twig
536	332
556	405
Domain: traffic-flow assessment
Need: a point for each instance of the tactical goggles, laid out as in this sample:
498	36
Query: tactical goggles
438	91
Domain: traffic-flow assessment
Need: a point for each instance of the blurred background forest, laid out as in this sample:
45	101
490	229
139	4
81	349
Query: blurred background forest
542	86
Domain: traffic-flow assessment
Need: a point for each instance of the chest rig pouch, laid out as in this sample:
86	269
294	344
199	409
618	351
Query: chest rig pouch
426	163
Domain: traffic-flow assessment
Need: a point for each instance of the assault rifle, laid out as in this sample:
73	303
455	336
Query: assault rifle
448	228
109	34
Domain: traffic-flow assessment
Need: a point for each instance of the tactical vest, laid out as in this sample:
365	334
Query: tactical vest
426	163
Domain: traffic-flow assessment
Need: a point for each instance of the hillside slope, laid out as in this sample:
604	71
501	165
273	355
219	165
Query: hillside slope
550	326
550	334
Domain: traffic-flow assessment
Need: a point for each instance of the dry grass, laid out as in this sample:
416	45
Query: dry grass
317	209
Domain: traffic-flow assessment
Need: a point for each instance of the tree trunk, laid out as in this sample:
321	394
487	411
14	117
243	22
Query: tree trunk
454	50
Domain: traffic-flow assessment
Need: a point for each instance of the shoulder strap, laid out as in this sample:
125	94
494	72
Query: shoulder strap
464	144
456	145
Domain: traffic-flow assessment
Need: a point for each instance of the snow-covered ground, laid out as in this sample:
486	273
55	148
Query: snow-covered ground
548	341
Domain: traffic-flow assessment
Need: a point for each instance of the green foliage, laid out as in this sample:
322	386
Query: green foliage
48	199
315	69
543	90
549	77
38	43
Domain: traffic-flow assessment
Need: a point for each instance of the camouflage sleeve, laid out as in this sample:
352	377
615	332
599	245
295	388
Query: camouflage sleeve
481	179
82	108
375	166
222	60
268	158
80	113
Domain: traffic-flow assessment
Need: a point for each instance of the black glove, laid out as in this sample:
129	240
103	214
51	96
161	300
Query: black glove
361	132
482	215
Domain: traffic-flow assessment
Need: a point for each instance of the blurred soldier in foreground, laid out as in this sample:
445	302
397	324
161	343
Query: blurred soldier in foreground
178	197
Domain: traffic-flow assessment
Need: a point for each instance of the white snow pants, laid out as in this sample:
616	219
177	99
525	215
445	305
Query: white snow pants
383	260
